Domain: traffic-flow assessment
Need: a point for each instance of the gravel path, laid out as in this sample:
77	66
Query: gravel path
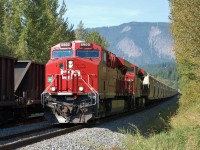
104	136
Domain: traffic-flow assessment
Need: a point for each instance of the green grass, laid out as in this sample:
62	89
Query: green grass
175	139
169	131
160	123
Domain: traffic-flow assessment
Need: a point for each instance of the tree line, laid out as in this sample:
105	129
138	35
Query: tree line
185	28
28	29
164	72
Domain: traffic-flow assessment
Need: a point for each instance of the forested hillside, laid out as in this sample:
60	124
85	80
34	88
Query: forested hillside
164	72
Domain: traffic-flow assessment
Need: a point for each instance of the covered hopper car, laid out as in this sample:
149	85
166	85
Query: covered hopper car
84	81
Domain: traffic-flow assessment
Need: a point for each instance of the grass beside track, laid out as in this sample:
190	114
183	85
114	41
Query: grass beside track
169	131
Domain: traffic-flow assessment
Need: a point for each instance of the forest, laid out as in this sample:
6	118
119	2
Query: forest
29	28
164	72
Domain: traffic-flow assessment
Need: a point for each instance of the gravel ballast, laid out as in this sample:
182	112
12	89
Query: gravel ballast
104	136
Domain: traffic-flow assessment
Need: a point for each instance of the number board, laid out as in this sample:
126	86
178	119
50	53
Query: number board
85	44
65	44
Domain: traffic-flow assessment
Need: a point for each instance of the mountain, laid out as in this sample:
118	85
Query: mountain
140	42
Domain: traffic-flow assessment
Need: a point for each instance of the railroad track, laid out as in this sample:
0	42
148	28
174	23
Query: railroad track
21	134
27	138
14	123
58	130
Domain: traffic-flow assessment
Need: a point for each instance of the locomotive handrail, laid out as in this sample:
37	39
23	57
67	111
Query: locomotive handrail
91	88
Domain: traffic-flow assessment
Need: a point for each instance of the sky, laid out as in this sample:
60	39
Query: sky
100	13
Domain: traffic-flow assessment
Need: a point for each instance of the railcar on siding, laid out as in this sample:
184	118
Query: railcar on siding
7	96
21	85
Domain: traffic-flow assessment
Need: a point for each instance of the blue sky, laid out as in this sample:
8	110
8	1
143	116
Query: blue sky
98	13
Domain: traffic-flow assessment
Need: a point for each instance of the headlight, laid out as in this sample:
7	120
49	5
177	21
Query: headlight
53	89
70	64
81	88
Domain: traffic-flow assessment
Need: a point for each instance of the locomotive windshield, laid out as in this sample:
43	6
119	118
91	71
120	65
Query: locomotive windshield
62	53
87	53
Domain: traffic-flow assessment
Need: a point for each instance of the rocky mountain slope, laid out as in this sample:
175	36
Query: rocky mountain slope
140	42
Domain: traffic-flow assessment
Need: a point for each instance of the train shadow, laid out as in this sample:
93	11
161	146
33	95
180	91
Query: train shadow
161	122
148	122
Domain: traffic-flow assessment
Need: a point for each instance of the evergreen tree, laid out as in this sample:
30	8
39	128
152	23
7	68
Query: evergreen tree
11	25
2	42
1	14
95	37
44	15
91	36
4	49
185	16
80	32
30	28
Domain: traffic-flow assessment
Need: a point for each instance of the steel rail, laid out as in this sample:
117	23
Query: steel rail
16	135
35	139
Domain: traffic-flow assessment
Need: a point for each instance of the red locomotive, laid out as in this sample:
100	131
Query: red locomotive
85	81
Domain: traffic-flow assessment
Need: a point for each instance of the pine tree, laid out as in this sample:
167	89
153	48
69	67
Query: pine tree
11	25
95	37
1	14
80	32
91	36
44	15
30	28
2	42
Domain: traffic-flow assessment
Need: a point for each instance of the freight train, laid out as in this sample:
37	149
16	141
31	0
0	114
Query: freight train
84	82
21	85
